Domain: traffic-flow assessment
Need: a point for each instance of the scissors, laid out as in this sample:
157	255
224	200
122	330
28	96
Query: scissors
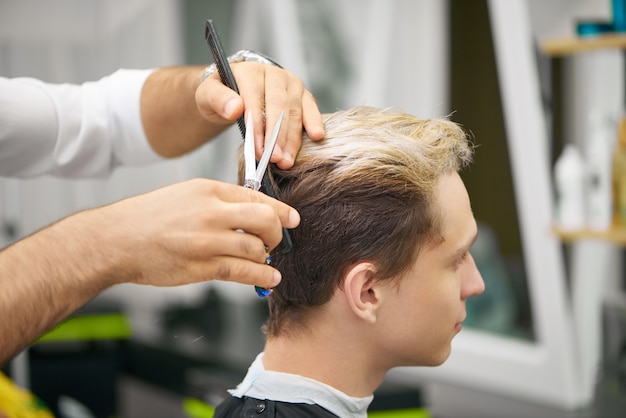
254	173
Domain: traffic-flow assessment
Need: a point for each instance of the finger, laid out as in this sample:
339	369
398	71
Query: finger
257	219
233	243
277	100
243	271
293	134
251	80
218	103
311	117
289	217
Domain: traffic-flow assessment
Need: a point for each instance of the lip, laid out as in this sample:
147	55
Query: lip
459	325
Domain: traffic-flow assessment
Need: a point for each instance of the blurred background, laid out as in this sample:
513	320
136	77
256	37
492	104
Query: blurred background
547	338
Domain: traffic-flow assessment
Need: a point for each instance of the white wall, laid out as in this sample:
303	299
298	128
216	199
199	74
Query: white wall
391	53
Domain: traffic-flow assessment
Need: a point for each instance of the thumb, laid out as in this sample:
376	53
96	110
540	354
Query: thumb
218	103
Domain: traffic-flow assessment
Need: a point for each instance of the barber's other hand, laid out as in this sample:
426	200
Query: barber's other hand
265	90
188	232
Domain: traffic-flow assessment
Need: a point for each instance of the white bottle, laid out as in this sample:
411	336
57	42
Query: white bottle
600	145
569	176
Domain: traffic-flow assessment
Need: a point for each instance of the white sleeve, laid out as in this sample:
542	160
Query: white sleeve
69	130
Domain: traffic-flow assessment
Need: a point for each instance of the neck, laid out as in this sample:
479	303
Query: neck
329	353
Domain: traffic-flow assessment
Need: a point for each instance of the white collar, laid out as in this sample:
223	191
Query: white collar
285	387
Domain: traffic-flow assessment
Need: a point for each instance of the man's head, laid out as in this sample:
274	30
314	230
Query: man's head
371	204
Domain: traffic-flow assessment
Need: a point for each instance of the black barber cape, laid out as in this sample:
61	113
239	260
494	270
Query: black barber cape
255	408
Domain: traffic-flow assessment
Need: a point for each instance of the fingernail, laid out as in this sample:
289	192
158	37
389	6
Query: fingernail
230	107
294	218
277	277
288	157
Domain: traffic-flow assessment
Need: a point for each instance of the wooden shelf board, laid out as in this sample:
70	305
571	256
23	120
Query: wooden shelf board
614	235
570	46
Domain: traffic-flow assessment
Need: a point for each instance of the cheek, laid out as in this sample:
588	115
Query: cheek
439	306
430	311
439	295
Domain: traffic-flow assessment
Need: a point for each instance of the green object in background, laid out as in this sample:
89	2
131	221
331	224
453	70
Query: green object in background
401	413
195	408
109	326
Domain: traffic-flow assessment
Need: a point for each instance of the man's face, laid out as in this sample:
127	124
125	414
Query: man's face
424	310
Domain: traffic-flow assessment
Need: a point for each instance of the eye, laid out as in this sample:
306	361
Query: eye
462	258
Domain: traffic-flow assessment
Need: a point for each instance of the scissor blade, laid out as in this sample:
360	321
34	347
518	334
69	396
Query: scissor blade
248	150
269	149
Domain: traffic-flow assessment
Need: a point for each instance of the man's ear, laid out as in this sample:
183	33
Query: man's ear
361	292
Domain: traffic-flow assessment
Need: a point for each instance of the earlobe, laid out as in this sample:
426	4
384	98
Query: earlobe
362	296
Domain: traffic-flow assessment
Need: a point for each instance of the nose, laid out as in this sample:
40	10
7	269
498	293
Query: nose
473	284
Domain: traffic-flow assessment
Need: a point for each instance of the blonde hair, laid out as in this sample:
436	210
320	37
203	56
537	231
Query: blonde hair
364	192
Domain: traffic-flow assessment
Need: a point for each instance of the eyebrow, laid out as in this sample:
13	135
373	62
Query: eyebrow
467	246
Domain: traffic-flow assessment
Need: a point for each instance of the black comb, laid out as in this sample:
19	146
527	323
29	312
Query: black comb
228	79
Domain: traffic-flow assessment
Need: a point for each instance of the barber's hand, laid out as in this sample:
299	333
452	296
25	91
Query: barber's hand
265	90
188	232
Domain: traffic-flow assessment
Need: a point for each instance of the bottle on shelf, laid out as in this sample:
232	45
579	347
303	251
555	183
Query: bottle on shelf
569	173
619	177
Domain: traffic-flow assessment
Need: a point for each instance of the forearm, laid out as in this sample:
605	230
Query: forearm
169	114
47	276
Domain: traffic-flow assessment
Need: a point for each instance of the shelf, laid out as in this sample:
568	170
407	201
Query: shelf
570	46
616	236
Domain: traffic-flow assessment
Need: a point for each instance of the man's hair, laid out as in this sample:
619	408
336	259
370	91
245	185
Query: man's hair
365	193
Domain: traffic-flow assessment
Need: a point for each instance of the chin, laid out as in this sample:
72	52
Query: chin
439	362
441	357
433	360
